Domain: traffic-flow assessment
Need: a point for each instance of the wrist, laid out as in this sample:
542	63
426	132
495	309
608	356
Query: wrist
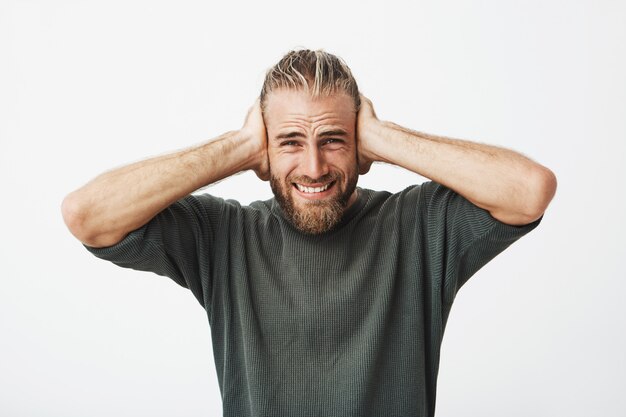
245	149
372	140
253	150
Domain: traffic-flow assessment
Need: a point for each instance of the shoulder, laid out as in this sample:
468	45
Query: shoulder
416	194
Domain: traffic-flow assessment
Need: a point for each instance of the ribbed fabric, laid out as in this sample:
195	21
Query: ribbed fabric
348	323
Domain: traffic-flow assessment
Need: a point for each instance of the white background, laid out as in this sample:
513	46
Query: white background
88	86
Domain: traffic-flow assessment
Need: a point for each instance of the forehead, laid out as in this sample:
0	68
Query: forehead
285	107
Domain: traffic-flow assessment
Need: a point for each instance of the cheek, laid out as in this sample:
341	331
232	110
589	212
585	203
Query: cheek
345	160
282	164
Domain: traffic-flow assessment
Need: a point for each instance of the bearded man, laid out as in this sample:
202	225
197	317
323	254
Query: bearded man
328	300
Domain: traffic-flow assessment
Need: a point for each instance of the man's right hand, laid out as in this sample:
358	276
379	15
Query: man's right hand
254	129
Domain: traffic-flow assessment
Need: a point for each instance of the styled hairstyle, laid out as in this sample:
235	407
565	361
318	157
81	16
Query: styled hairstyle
316	72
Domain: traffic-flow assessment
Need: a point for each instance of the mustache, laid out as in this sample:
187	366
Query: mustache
305	179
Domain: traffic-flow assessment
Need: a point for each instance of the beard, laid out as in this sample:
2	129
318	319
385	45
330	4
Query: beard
317	216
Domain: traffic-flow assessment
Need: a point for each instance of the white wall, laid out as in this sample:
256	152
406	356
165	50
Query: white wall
86	86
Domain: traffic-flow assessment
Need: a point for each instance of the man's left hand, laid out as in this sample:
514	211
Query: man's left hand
365	134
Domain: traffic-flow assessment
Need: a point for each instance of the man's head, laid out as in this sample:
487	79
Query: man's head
310	102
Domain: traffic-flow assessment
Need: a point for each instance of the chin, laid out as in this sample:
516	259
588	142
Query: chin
312	213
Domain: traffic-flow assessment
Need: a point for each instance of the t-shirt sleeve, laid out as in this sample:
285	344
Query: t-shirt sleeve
465	236
177	243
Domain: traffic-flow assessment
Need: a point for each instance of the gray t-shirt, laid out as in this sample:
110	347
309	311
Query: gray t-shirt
348	323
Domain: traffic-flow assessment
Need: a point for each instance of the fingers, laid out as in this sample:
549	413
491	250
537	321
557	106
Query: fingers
366	137
255	130
254	112
367	108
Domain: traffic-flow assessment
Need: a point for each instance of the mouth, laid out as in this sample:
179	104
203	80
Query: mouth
314	191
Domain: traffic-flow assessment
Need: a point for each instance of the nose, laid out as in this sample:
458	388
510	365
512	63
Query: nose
314	164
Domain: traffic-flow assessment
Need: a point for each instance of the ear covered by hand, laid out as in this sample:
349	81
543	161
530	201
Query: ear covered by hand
254	128
366	122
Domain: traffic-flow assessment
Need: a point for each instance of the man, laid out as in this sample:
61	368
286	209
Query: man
329	300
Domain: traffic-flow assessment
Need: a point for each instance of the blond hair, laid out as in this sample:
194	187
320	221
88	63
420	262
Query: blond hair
316	72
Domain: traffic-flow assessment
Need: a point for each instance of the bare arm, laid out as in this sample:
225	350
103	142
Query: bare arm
513	188
106	209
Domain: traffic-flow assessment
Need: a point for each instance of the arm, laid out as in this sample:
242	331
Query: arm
105	210
514	189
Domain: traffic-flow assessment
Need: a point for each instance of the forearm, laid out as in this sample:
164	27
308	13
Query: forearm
113	204
513	188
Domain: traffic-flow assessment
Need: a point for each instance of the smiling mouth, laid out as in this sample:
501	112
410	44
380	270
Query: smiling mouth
313	190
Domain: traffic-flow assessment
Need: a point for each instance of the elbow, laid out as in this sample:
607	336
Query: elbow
541	186
74	216
82	223
529	199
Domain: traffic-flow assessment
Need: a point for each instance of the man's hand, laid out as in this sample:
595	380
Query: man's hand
366	124
254	128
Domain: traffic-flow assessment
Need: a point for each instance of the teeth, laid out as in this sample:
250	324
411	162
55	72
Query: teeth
312	189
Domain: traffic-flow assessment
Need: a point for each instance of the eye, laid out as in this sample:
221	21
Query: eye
289	143
333	142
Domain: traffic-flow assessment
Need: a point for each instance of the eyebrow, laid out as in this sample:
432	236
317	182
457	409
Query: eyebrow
296	134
